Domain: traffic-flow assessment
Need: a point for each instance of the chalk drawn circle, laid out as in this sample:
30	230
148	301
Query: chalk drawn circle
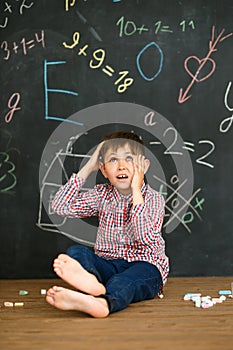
59	148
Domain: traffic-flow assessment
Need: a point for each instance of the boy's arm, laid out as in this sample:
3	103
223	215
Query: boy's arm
68	201
137	181
92	164
147	218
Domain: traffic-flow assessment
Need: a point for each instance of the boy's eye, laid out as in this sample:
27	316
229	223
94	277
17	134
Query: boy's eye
112	160
129	159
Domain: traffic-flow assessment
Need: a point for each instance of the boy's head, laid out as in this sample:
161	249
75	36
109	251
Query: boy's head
119	139
118	156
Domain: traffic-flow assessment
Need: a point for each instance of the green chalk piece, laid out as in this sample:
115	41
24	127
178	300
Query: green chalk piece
23	292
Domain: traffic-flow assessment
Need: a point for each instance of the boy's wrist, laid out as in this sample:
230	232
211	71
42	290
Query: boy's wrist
84	172
137	196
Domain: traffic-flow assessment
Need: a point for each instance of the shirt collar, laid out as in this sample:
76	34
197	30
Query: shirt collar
121	197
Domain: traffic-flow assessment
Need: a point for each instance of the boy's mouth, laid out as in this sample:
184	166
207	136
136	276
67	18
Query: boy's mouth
123	176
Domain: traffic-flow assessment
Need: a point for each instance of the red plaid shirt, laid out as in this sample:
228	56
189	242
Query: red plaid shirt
125	231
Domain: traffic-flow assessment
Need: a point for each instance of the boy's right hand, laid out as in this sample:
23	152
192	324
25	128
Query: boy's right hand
92	164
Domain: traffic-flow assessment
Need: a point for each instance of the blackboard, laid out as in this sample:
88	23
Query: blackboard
72	71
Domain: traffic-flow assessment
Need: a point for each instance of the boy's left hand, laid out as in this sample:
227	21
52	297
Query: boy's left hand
139	171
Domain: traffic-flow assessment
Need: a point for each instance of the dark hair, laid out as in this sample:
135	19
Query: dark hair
121	138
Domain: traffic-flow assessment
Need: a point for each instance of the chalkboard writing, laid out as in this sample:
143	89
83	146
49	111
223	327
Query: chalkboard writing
72	71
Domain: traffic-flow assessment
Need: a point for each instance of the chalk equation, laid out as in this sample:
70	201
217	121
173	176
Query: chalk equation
129	27
98	61
14	7
201	63
175	148
175	202
23	46
7	173
226	123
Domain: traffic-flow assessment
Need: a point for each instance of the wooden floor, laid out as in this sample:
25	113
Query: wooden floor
169	323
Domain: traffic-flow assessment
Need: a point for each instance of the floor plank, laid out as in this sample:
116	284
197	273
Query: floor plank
169	323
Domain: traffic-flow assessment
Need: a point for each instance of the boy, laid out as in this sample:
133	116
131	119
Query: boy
129	262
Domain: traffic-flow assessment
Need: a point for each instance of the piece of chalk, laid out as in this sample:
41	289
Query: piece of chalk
223	297
8	304
190	296
217	300
198	302
23	292
193	294
205	298
206	304
43	291
18	304
161	296
224	292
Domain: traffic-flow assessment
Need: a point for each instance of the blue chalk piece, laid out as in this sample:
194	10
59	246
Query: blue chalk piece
224	292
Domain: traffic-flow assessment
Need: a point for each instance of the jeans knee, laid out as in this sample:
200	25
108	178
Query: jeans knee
76	250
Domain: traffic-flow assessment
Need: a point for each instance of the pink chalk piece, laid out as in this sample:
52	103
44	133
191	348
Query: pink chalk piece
206	306
8	304
207	303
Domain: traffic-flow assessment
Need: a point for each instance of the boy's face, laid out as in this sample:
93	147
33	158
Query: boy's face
118	167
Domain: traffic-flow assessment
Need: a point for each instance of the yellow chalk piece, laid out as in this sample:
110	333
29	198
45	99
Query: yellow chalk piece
19	304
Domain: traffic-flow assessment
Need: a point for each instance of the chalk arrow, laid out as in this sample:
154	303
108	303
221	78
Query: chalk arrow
183	96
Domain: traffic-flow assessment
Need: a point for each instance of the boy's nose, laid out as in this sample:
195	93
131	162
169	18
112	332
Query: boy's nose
121	163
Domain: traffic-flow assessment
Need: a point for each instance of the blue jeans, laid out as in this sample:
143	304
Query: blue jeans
125	282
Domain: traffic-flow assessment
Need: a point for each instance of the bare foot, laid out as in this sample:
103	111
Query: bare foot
72	272
66	299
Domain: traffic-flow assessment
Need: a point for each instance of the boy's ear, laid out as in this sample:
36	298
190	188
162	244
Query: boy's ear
147	165
102	169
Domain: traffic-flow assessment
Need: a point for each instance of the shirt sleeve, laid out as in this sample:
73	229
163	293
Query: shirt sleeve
70	202
147	219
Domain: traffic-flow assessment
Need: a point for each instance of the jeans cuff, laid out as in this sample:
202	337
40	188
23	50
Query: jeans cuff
110	300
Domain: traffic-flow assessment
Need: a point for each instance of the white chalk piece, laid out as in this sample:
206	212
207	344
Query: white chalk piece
43	291
18	304
198	302
207	297
191	296
8	304
217	300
